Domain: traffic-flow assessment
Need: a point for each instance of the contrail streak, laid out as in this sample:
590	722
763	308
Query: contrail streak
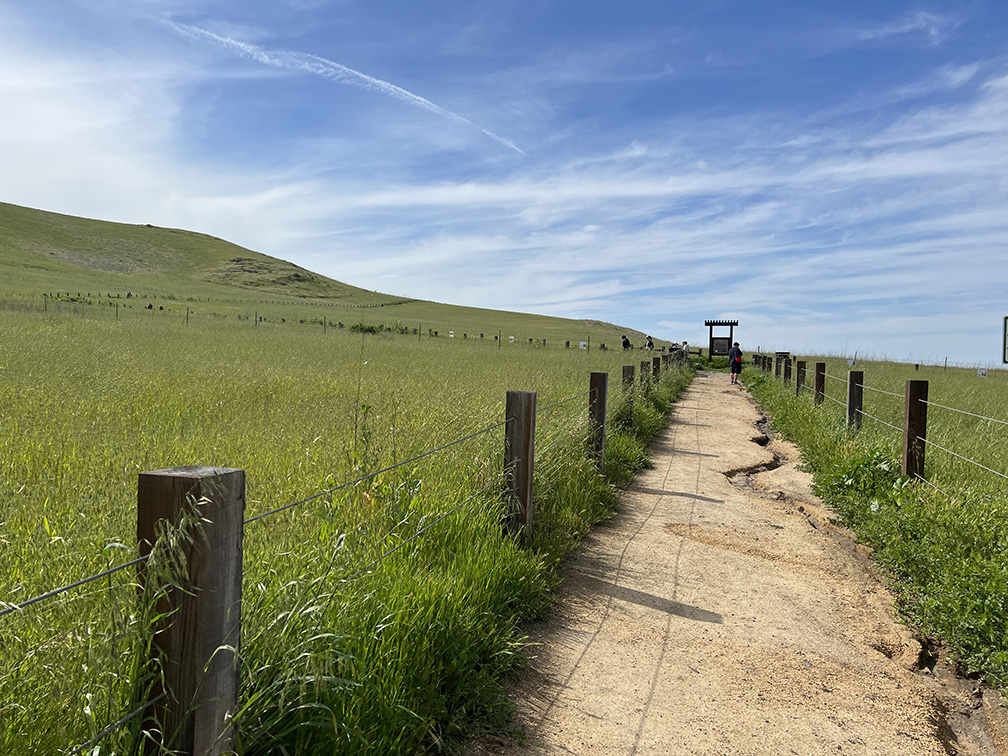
329	69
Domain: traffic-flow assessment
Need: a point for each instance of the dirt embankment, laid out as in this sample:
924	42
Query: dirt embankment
723	612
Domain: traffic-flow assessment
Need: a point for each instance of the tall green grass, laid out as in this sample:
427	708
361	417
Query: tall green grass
944	541
404	657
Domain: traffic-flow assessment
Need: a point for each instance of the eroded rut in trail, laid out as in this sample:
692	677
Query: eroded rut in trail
712	616
969	719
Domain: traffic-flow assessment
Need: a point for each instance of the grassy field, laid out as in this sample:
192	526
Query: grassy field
944	541
88	267
404	658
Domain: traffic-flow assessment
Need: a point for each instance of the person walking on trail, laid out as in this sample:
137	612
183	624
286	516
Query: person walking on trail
626	343
735	360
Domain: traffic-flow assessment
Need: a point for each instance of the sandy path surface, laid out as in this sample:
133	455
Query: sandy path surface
720	612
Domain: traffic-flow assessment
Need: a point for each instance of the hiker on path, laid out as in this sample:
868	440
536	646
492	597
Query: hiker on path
735	360
626	343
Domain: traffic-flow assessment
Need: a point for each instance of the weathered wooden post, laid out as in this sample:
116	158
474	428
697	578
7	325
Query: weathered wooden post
915	428
519	451
855	396
800	378
656	368
196	641
645	372
777	365
820	383
628	377
597	398
787	370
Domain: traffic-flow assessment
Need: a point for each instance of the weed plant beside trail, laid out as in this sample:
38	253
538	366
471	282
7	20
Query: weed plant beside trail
944	541
404	656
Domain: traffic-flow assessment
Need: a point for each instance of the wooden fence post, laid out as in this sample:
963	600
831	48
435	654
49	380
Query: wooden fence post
628	377
777	366
519	451
197	638
915	428
800	378
820	383
656	368
645	372
597	398
855	396
787	370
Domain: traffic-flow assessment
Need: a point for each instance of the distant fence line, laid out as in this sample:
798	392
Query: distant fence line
196	640
145	302
915	399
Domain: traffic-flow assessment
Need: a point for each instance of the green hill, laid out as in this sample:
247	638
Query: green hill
86	261
65	249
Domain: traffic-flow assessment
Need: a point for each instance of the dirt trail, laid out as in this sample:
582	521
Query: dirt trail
720	612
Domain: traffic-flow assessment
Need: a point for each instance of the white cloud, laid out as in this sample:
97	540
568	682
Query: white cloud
816	227
934	27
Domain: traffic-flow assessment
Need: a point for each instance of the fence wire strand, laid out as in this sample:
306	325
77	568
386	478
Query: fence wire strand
879	420
426	527
837	401
918	476
112	727
834	378
361	479
69	587
562	401
960	456
882	391
964	412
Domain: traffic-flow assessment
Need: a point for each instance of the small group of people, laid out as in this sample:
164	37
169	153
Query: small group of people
648	344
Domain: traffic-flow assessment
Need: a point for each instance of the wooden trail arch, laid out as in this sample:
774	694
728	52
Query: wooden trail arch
712	324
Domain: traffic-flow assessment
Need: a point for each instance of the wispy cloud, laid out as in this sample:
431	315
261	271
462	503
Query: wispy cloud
934	27
871	213
328	69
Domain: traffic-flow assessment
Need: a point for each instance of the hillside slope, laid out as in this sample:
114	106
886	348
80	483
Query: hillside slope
43	252
57	243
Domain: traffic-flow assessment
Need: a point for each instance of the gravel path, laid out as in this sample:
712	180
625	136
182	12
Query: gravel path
721	612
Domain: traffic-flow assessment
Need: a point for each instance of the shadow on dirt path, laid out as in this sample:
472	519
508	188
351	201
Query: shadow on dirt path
723	612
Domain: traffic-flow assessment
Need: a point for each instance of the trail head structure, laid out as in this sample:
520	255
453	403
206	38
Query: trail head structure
719	346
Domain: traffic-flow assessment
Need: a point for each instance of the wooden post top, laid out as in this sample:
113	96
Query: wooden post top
192	471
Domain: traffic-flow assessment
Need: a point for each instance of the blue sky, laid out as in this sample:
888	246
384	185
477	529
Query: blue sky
833	175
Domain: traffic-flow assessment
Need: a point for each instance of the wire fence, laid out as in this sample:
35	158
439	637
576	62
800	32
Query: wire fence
964	412
554	405
71	586
370	475
929	442
499	479
115	726
861	412
880	420
866	387
13	608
